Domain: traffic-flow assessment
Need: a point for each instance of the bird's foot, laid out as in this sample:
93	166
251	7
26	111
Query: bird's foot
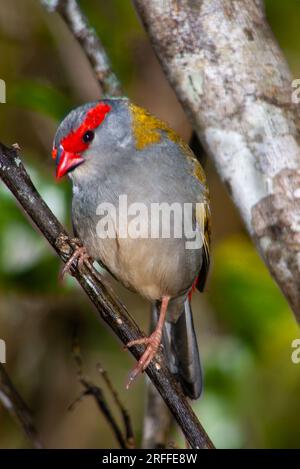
79	255
153	343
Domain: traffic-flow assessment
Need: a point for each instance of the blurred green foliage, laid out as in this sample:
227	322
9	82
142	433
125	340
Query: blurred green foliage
237	263
250	378
40	97
119	30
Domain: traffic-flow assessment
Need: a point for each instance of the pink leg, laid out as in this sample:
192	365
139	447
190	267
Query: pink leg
80	255
152	342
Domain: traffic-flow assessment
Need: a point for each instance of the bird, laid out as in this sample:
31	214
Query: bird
112	149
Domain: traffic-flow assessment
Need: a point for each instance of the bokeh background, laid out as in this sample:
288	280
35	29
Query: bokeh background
245	327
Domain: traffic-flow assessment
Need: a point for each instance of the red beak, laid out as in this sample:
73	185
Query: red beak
66	161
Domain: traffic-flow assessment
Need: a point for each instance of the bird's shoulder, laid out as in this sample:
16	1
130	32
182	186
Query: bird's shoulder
149	130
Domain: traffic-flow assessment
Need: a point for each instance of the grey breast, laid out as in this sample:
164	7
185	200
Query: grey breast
155	175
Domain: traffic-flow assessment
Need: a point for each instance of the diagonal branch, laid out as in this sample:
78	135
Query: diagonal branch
91	389
14	403
129	435
90	43
109	308
157	421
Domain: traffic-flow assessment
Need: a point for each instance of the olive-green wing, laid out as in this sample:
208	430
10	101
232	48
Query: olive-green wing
203	220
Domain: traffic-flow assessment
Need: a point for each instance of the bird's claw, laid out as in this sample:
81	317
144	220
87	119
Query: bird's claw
80	255
152	345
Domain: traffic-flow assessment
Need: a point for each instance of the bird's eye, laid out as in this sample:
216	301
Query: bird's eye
88	136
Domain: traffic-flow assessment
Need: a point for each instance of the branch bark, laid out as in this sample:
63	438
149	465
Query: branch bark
127	423
14	403
90	43
109	308
158	420
125	439
90	389
228	72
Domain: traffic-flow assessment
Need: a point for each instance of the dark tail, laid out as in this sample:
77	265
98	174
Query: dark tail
181	351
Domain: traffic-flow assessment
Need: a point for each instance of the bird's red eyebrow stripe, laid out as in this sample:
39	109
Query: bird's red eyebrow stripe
73	142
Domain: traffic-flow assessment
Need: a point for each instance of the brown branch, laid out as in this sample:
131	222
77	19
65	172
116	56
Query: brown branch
109	308
90	389
14	403
129	438
157	421
90	42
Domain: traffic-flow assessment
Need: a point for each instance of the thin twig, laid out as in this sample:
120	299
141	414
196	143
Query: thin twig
107	304
95	52
96	392
14	403
130	443
90	42
90	389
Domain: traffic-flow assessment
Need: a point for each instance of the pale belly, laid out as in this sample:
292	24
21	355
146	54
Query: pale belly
152	267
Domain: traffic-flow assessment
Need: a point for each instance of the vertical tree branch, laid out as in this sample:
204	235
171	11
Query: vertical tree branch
223	62
157	420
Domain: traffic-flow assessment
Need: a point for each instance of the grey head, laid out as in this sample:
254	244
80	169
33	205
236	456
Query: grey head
89	131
